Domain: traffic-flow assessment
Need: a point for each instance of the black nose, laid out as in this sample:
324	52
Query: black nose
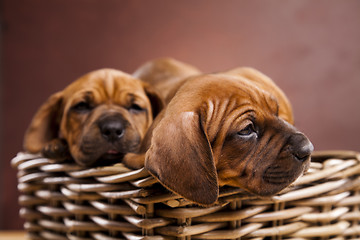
112	129
301	146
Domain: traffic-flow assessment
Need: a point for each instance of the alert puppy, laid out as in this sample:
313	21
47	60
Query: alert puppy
231	128
96	120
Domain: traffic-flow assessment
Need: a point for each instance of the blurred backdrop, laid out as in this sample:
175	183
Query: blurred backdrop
309	48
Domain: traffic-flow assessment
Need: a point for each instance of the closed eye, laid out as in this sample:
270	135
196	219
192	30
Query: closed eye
82	107
136	108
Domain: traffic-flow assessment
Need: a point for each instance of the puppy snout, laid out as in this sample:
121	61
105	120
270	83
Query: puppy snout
301	147
112	128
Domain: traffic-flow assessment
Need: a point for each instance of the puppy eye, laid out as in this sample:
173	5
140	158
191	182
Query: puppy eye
248	130
136	108
82	107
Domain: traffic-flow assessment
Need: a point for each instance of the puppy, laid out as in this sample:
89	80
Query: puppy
231	128
95	120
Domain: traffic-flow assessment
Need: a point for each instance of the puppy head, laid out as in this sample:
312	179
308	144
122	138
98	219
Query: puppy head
101	116
227	129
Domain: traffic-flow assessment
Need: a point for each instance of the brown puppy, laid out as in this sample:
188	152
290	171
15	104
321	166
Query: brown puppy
97	119
231	128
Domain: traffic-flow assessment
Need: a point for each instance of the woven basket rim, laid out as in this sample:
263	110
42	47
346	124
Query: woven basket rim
66	201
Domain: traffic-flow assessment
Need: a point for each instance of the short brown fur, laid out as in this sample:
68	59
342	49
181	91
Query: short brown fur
229	128
67	124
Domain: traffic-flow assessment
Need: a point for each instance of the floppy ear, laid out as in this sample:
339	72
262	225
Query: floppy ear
44	126
180	157
156	101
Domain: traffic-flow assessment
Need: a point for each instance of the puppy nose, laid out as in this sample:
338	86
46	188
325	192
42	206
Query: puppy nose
301	146
111	130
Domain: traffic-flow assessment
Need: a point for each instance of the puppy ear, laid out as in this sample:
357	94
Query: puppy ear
157	102
44	126
180	157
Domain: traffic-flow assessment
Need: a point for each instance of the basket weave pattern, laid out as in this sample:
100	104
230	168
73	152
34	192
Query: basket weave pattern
66	201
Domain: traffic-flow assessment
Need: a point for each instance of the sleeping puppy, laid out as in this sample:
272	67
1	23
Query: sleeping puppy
231	128
95	120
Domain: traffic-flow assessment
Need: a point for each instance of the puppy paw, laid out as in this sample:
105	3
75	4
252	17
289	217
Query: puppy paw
57	149
134	160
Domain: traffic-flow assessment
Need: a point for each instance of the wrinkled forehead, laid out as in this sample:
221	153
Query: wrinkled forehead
106	84
219	87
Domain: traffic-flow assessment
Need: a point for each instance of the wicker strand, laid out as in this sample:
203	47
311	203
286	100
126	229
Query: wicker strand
66	201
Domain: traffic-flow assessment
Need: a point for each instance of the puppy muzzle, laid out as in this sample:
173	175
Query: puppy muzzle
112	128
300	147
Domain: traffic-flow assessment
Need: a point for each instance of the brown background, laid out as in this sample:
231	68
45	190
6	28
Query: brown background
310	48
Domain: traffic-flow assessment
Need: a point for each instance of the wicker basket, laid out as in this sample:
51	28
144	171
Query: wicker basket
66	201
